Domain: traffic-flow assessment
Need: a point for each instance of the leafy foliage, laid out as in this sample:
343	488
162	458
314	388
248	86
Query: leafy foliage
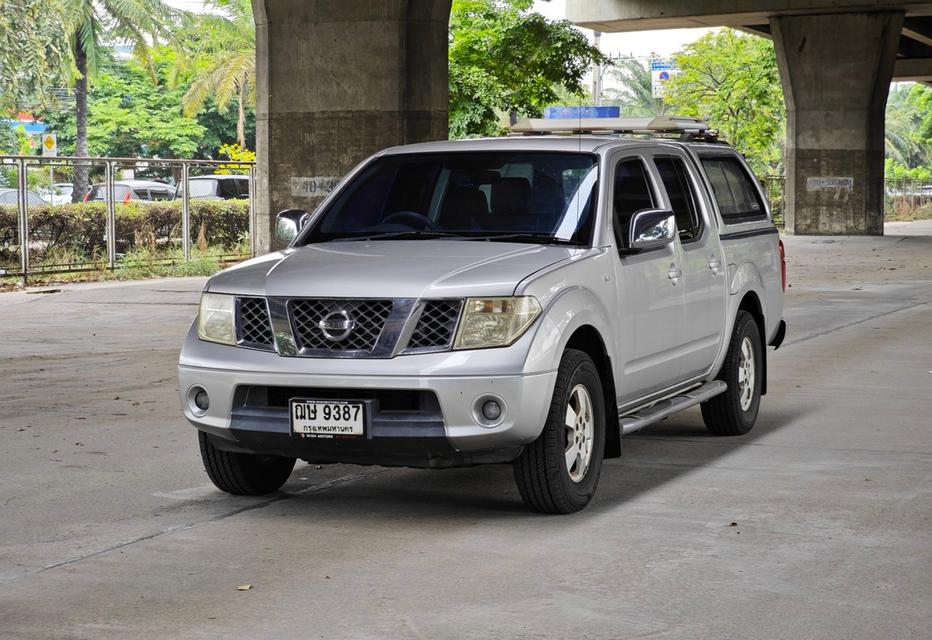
131	115
33	56
505	58
731	81
909	126
222	50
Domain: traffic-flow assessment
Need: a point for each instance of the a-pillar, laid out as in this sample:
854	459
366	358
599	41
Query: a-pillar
335	82
836	71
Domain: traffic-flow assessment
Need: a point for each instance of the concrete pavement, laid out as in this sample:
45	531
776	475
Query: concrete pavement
109	527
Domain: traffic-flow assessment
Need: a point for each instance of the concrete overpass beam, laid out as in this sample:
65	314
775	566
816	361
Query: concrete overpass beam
836	71
337	81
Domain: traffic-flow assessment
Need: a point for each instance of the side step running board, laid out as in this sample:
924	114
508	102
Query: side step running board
665	408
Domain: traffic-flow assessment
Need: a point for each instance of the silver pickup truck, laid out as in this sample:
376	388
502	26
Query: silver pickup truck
526	300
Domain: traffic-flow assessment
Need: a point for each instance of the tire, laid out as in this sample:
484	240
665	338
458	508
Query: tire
734	412
547	480
243	474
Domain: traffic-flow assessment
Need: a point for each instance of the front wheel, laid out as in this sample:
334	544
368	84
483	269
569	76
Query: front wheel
243	474
559	472
734	412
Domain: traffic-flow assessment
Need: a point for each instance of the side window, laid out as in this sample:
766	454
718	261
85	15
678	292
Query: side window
675	178
226	188
738	199
632	193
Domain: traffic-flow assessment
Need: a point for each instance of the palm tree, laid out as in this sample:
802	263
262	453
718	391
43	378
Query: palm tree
903	121
636	93
139	22
223	47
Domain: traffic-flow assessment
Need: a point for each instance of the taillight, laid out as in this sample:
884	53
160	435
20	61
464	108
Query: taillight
783	264
126	197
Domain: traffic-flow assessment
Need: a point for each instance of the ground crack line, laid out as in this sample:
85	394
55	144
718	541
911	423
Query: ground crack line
852	324
158	534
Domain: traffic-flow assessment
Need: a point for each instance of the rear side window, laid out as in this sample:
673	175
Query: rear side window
227	189
679	188
737	197
632	193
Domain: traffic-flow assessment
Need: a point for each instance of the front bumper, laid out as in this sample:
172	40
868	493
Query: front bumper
448	435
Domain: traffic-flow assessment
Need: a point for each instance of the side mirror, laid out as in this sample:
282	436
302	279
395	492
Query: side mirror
652	228
288	224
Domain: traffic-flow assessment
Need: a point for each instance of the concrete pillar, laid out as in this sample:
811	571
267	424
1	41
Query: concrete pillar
836	71
337	81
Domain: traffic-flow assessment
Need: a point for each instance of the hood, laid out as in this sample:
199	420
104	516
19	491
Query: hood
391	269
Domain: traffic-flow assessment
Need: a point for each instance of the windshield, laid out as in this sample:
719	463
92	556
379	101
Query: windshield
520	197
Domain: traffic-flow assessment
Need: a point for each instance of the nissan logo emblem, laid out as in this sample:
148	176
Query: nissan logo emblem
337	325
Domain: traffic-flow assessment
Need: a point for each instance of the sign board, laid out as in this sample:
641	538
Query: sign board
49	145
660	72
314	187
574	113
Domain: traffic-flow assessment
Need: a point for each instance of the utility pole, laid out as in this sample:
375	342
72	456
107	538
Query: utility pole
597	73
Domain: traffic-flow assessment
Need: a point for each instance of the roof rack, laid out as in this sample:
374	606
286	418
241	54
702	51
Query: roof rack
687	128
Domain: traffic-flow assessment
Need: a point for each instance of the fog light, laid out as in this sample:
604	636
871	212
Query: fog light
198	401
201	400
491	410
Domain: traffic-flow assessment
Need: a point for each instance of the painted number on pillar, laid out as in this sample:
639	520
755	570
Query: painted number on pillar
315	187
821	183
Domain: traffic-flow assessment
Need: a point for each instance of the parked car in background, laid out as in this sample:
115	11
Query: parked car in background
8	196
216	187
58	193
126	190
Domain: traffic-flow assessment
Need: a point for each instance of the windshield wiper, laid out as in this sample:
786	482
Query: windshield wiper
531	238
401	235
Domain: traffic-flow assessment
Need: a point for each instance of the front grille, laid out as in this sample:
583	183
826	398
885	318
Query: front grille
367	318
436	325
252	324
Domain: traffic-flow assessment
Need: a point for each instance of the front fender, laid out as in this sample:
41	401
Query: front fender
566	312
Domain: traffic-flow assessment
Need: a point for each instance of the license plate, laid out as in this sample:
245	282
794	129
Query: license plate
327	418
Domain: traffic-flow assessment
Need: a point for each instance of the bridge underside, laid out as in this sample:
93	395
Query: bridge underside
837	59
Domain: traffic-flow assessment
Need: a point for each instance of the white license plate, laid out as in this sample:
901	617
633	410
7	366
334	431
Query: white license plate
327	418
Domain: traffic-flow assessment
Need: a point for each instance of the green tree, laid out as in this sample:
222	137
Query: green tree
89	23
222	48
635	94
909	125
731	81
505	58
133	115
33	57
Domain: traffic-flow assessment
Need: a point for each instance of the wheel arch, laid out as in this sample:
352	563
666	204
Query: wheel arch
751	303
587	339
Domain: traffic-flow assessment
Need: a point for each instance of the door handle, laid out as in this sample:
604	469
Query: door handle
714	265
674	274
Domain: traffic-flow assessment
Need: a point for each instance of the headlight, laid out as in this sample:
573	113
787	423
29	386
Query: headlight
495	322
215	319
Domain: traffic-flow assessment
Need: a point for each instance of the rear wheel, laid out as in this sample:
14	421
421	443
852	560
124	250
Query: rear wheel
243	474
559	472
734	412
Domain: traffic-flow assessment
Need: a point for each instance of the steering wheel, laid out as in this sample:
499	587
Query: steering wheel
411	219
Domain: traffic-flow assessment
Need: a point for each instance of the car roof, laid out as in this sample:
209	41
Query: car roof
136	183
235	176
586	143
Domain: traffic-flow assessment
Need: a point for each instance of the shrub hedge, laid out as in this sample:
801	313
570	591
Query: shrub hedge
78	230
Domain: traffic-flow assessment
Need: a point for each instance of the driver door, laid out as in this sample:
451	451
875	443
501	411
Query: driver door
650	297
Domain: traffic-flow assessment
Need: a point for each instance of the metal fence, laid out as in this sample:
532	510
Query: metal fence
31	188
903	199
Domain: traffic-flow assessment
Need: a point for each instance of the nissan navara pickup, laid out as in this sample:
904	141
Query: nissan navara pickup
528	300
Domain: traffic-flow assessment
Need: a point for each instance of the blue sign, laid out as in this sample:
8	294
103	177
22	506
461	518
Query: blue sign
31	127
575	113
